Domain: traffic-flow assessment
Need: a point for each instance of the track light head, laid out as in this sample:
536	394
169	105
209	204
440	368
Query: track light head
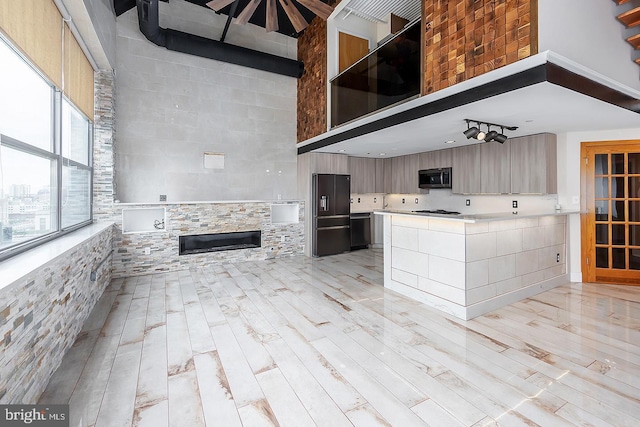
472	132
490	136
500	138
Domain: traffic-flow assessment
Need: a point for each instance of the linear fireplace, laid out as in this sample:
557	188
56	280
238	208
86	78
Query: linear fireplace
199	243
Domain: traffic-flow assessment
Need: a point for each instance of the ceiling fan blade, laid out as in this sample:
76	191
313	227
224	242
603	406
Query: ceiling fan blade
321	9
296	18
247	12
219	4
271	21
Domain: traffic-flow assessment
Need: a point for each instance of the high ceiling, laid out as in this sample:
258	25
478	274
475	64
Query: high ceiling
258	18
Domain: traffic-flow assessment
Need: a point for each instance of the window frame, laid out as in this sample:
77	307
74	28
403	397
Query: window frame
57	155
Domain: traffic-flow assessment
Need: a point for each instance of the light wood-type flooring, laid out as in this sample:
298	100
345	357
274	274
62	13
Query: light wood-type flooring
304	342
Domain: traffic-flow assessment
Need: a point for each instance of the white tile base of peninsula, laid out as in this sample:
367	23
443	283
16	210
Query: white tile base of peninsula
470	268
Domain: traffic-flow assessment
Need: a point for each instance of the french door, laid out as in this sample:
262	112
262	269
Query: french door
610	175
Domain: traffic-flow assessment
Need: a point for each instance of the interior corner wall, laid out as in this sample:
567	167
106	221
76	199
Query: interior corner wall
569	183
173	107
587	32
103	19
104	132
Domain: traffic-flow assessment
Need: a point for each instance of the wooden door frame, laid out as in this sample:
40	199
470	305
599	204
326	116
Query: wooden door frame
587	207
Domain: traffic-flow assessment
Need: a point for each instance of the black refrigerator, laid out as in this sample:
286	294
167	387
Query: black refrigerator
331	208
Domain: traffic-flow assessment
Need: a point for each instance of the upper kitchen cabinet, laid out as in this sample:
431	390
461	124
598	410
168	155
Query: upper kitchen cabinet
466	172
436	159
534	164
404	174
367	175
495	170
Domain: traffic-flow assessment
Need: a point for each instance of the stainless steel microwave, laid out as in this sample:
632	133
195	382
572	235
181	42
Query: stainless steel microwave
434	178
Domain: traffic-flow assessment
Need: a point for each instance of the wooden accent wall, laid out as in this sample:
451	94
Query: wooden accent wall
312	86
467	38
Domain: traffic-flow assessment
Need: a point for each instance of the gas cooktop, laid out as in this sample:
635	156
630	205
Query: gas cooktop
439	212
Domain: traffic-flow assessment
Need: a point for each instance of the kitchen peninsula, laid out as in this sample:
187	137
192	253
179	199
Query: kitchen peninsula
468	265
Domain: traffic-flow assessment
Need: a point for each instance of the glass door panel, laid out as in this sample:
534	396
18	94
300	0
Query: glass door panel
614	212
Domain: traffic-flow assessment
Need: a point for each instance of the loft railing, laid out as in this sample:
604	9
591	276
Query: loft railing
387	75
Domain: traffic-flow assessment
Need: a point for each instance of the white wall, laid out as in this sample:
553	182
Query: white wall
172	107
587	31
351	25
569	182
103	18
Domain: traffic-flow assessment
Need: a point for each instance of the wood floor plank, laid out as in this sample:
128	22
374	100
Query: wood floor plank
435	415
390	407
118	403
218	405
153	377
340	390
413	369
185	406
375	368
304	341
284	402
321	408
242	383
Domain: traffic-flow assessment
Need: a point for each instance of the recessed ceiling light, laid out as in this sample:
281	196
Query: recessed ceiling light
383	154
341	151
451	141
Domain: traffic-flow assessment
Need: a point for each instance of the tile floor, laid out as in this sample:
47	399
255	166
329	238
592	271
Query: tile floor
300	341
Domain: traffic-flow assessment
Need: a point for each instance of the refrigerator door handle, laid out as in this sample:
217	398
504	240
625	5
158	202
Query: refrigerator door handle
337	227
324	203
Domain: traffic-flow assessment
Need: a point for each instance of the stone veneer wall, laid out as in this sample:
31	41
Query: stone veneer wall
42	314
464	38
104	186
203	218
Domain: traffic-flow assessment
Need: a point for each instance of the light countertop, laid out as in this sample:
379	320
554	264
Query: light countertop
497	216
19	266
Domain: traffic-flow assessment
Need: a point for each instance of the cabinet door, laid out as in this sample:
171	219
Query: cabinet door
436	159
466	169
397	174
379	184
442	158
370	175
495	173
411	168
533	164
387	175
356	171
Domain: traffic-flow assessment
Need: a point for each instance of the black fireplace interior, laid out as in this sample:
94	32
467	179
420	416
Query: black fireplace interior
199	243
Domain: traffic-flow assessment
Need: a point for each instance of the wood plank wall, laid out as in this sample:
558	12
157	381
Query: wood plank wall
467	38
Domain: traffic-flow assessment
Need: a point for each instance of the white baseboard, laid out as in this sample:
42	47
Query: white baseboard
575	277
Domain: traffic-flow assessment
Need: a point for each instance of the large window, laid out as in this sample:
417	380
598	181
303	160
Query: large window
45	158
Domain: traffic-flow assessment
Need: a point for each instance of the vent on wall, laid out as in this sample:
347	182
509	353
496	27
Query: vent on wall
379	10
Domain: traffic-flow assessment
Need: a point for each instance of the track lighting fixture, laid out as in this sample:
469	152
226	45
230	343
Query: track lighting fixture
471	132
491	135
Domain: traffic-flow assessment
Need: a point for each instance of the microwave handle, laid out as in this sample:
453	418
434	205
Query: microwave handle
441	177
